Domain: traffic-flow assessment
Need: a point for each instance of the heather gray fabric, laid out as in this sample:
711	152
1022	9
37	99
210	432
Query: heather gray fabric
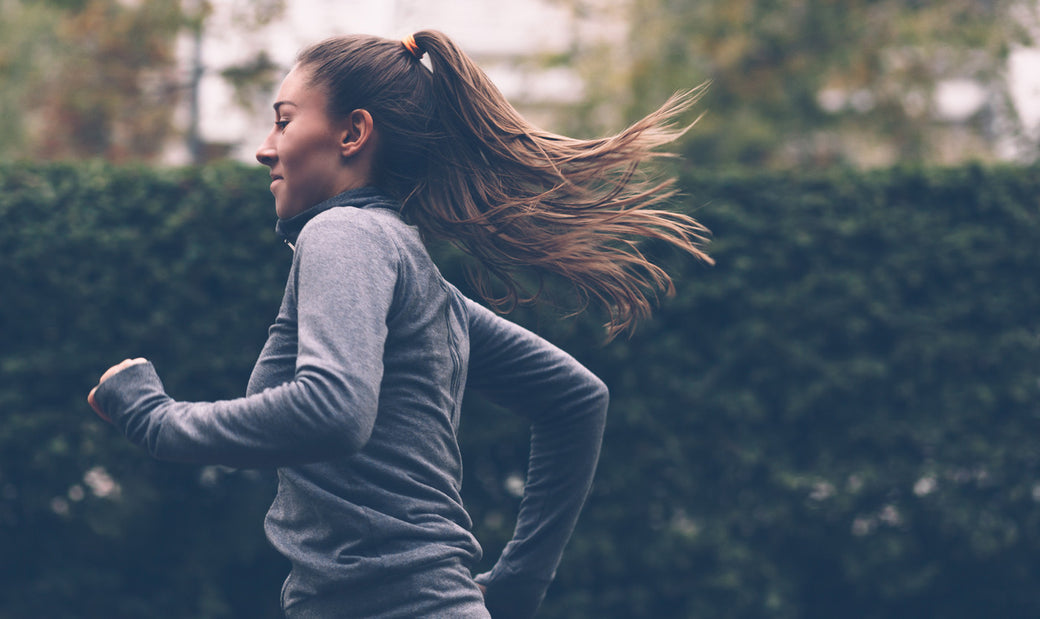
356	399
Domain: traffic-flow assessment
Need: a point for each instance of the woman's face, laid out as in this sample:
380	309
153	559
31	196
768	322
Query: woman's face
303	149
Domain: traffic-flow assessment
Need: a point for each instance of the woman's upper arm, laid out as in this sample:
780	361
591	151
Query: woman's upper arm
518	369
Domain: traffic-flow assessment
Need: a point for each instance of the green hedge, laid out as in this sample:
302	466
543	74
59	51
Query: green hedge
837	420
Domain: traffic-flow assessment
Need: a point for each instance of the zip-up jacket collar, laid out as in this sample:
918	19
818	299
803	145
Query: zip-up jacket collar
365	197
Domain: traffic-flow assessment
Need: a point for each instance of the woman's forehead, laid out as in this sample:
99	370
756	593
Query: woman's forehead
297	90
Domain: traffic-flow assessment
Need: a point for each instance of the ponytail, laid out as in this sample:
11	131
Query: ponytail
468	168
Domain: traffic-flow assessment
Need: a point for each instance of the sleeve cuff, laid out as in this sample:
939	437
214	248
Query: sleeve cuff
132	388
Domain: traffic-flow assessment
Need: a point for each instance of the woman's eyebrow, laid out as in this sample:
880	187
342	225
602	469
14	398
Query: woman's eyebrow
279	104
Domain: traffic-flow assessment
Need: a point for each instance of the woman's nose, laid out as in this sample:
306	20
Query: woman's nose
266	154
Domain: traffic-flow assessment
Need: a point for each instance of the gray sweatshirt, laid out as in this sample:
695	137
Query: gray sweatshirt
356	399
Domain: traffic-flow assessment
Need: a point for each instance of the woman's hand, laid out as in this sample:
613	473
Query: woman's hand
110	372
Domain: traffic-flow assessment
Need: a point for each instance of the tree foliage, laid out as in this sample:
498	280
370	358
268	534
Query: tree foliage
101	78
93	78
98	262
836	420
816	82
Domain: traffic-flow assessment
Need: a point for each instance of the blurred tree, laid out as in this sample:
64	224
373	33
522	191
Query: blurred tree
26	34
810	82
100	78
107	91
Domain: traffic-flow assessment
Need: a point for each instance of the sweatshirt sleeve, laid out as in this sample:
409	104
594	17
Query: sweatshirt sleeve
340	289
567	406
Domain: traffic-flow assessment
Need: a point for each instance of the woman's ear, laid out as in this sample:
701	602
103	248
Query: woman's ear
358	134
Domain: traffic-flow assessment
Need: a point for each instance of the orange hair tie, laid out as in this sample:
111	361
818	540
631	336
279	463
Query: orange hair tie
410	45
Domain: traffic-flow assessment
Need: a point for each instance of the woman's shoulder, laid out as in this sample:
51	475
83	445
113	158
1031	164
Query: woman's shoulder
370	231
366	226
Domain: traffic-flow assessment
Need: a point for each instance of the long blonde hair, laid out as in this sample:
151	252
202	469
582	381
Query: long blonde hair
468	168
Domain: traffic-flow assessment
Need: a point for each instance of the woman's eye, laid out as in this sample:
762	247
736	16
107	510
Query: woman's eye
281	124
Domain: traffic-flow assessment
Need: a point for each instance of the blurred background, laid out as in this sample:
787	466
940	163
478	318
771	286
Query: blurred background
838	419
794	83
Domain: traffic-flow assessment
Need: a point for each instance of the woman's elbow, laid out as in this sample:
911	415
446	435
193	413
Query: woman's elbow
598	396
337	416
